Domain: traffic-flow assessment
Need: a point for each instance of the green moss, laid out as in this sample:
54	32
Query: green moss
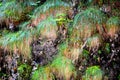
43	73
22	39
24	71
94	73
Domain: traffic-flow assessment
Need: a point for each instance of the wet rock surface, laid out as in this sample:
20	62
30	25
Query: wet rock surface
43	51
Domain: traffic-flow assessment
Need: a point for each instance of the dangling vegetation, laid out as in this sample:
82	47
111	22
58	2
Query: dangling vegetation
113	26
43	73
59	39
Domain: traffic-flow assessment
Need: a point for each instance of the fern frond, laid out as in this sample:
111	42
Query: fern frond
43	73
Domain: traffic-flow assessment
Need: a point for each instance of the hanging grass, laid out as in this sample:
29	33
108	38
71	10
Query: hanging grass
18	43
48	28
63	68
91	15
50	7
88	22
72	51
113	26
21	40
94	42
63	48
49	4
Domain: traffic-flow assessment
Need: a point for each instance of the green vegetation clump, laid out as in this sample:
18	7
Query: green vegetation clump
90	15
19	42
11	10
63	67
94	42
87	23
93	73
43	73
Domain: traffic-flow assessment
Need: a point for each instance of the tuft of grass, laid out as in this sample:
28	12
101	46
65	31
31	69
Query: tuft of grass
50	7
94	41
18	42
93	73
113	26
48	28
43	73
90	15
89	22
13	11
49	4
62	67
